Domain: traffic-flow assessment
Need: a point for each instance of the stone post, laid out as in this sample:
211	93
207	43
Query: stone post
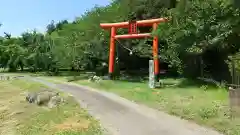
151	74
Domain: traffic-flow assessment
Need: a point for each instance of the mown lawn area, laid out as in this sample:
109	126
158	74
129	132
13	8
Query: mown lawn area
18	117
203	103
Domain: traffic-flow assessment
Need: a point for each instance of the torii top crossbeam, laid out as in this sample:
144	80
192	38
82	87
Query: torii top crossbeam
126	24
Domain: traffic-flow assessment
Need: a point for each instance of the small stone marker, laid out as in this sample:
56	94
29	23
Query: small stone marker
151	83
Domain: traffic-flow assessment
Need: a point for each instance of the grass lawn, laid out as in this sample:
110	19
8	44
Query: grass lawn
17	117
202	103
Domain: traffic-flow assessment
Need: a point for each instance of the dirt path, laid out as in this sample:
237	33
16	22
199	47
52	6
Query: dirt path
122	117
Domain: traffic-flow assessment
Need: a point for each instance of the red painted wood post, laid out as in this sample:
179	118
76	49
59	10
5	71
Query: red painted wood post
155	53
112	52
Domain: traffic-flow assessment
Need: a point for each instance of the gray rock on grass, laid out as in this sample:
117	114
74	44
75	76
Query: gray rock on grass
44	97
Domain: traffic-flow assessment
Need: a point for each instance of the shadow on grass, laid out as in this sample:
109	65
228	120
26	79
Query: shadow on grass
191	83
133	79
196	83
77	78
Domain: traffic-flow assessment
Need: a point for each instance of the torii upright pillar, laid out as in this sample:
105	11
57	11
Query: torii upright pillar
112	52
155	54
114	26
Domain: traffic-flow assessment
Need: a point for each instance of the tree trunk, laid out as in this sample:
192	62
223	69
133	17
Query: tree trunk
12	68
21	66
72	68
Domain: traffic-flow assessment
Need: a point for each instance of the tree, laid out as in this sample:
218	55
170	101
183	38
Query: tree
199	28
51	27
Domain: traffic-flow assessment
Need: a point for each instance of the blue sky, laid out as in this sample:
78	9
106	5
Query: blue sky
18	16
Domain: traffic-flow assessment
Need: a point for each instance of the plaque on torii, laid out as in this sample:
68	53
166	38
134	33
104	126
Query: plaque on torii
132	27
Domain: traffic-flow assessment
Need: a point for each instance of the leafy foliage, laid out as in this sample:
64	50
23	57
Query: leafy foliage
198	28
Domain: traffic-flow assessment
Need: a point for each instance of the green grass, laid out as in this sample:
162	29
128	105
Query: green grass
21	118
202	103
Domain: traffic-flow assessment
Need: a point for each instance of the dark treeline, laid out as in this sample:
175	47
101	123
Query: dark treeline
199	39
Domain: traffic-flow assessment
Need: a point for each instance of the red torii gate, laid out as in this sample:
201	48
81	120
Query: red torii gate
132	26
